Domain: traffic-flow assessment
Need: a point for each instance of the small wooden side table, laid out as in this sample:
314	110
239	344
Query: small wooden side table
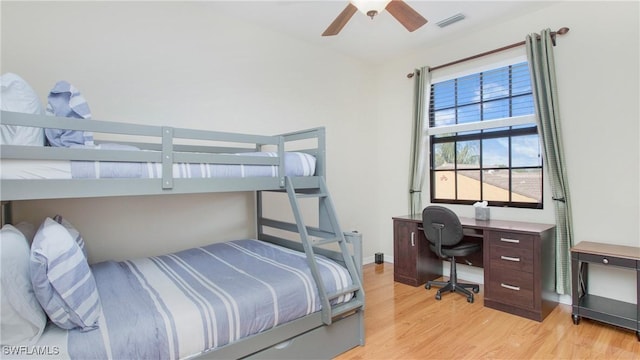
604	309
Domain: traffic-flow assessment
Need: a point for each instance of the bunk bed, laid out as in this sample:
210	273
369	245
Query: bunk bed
168	160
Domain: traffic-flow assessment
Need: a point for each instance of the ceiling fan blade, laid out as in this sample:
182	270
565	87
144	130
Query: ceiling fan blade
405	14
340	21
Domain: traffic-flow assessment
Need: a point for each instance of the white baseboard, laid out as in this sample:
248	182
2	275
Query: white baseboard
372	259
565	299
467	273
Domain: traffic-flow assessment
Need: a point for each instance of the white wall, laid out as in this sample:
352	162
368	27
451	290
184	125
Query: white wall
187	65
597	66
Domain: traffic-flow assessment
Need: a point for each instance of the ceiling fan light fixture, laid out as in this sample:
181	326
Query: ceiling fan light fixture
405	14
370	8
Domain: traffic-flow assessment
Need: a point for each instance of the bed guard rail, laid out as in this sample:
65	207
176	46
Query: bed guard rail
168	145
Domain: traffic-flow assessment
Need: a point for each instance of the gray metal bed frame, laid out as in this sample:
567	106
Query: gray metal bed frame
324	334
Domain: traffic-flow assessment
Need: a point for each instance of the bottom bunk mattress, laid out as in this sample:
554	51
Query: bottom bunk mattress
183	304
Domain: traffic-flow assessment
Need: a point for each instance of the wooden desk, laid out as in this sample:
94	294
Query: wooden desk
518	260
610	311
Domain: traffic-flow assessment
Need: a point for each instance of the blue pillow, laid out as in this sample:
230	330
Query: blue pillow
62	280
66	101
75	234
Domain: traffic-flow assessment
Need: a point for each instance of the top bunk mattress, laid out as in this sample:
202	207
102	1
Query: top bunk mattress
295	164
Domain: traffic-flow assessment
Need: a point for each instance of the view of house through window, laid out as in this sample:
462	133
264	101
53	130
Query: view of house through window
484	141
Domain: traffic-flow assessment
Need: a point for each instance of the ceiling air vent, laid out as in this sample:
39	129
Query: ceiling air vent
450	20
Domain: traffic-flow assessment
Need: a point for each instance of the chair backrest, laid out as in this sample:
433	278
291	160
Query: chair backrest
437	216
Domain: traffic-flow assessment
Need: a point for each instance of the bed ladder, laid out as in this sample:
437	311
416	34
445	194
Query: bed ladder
312	236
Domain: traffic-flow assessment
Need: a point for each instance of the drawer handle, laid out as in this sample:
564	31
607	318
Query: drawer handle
605	261
510	287
514	241
509	258
413	238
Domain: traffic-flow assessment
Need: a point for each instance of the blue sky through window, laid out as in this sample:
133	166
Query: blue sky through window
494	94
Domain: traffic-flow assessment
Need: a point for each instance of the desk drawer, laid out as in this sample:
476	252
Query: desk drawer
511	287
511	258
607	260
511	240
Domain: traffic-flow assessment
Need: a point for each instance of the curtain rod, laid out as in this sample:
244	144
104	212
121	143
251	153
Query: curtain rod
561	31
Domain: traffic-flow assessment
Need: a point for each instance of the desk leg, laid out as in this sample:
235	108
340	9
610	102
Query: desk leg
576	319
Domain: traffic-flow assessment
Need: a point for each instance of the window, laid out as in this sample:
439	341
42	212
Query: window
483	140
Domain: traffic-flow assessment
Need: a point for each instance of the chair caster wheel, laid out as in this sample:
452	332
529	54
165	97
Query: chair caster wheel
427	286
476	290
438	296
470	299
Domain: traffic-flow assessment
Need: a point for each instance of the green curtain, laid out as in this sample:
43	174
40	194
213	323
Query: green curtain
545	93
421	98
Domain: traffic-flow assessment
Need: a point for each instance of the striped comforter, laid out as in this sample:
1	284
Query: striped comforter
180	305
296	164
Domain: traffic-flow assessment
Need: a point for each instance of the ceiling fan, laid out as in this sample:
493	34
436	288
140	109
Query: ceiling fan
404	13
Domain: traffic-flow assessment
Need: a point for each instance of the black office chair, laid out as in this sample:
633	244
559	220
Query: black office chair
443	230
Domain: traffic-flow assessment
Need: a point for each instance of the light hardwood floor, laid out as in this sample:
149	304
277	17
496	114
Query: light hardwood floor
406	322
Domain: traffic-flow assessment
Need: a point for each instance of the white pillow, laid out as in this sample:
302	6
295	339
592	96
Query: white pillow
22	320
62	280
18	96
27	229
